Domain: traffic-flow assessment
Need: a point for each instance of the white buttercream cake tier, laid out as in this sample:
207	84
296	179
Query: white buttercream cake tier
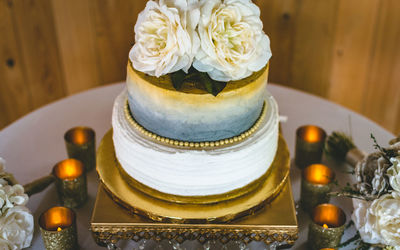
189	172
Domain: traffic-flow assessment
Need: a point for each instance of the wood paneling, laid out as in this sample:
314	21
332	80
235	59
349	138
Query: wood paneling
342	50
113	23
279	18
39	47
76	43
313	43
355	32
15	98
381	99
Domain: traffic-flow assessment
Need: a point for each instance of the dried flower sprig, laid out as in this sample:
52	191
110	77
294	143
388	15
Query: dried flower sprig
351	192
337	145
386	153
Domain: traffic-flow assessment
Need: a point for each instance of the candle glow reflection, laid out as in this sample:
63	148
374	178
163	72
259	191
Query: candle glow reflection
312	134
80	143
79	135
310	141
327	227
329	215
57	218
315	185
69	169
318	174
71	182
58	229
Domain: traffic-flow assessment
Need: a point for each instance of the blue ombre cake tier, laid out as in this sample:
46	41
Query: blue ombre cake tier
193	114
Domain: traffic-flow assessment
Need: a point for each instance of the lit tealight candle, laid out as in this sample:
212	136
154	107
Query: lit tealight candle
310	141
80	143
58	228
315	184
327	227
71	182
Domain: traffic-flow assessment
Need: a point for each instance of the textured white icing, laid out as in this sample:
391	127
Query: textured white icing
194	172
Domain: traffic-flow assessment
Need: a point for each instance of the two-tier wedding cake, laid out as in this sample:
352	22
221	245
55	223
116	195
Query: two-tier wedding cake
195	119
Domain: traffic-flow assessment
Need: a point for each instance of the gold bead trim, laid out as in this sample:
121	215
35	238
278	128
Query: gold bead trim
194	145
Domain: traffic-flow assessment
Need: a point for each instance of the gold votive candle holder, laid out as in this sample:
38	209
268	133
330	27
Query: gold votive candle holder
58	228
327	227
81	144
310	141
71	182
316	182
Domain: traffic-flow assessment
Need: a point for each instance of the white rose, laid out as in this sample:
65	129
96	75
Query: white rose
165	37
386	213
17	195
394	173
17	227
6	245
11	196
363	223
379	221
233	43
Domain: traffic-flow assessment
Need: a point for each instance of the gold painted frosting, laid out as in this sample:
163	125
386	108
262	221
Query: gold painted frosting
192	114
244	88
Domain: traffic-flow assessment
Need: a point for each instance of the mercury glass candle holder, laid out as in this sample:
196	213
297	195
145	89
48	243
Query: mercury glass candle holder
71	182
80	143
316	183
310	141
327	227
58	228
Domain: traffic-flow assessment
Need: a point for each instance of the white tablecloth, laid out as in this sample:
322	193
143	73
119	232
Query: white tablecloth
33	144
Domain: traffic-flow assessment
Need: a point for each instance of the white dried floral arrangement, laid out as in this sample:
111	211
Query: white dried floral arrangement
375	194
16	221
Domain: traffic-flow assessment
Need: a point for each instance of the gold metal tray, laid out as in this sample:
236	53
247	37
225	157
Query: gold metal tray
111	223
155	209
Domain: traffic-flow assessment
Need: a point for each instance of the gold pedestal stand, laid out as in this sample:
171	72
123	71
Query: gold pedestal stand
122	212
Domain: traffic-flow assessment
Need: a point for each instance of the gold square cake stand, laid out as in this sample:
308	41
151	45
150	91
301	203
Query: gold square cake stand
276	222
265	214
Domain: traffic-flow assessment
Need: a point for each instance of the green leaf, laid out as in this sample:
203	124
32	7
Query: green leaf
213	87
201	80
178	79
207	83
219	86
192	77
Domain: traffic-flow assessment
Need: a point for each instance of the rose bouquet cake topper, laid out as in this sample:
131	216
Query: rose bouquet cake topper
211	41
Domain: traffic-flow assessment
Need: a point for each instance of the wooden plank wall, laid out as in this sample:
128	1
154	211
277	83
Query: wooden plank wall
347	51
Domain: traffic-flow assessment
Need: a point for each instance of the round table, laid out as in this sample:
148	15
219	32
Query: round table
33	144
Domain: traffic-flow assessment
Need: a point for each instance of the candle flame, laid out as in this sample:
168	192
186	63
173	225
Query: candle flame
80	137
318	174
57	219
69	169
312	134
325	226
